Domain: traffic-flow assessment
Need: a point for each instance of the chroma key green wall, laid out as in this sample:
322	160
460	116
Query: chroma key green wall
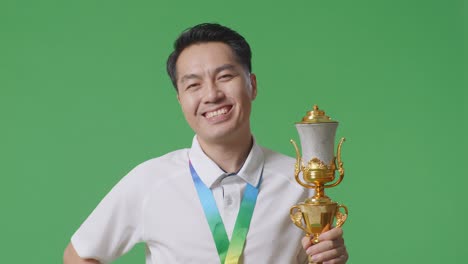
84	97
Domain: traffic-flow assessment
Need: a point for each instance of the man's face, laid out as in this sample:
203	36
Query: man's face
215	92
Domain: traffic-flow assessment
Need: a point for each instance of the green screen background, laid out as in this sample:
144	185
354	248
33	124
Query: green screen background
84	97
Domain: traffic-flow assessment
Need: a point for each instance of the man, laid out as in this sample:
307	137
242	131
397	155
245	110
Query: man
224	200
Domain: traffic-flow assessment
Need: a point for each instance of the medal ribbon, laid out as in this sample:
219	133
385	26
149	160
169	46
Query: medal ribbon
229	252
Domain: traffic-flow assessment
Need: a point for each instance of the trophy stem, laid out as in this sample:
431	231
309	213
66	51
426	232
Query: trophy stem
319	191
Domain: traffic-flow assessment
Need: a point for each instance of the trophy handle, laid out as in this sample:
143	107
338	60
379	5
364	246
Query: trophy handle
340	165
299	166
296	216
341	217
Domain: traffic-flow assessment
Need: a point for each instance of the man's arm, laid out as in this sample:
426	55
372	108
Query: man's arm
71	257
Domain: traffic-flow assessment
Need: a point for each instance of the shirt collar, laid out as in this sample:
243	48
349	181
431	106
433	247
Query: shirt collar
210	172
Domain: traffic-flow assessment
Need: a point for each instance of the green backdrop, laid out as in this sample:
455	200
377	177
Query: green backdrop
84	97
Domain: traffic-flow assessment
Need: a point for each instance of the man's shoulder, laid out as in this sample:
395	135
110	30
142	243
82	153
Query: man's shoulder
169	161
158	169
280	167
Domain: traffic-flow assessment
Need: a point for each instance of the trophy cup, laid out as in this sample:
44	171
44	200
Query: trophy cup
317	213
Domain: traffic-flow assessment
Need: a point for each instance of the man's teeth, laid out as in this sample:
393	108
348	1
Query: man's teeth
221	111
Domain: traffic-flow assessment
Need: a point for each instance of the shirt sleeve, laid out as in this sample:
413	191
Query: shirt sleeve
115	225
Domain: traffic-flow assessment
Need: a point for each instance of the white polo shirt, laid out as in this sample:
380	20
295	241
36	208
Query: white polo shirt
157	203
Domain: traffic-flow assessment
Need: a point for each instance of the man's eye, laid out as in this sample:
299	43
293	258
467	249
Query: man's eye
225	77
192	85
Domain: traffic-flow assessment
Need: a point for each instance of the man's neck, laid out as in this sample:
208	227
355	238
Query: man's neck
228	156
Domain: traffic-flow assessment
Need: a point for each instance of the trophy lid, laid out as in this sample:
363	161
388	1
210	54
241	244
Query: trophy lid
316	116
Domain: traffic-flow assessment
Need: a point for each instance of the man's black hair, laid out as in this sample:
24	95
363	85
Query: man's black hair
209	32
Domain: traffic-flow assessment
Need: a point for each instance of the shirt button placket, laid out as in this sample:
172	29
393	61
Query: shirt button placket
231	202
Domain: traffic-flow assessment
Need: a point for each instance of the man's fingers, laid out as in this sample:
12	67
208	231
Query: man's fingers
324	246
331	234
340	260
330	249
306	243
335	255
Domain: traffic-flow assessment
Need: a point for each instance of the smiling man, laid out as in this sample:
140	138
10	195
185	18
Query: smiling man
225	199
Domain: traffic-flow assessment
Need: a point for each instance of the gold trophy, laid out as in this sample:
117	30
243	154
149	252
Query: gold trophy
317	213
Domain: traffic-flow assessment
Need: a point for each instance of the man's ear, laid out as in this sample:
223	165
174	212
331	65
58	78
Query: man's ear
253	85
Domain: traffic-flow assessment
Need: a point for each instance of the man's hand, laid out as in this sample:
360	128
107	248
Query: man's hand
330	249
71	257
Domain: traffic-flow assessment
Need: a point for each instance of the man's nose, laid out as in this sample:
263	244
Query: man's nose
213	93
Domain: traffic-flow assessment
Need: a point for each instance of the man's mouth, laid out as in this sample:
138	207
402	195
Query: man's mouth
217	112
